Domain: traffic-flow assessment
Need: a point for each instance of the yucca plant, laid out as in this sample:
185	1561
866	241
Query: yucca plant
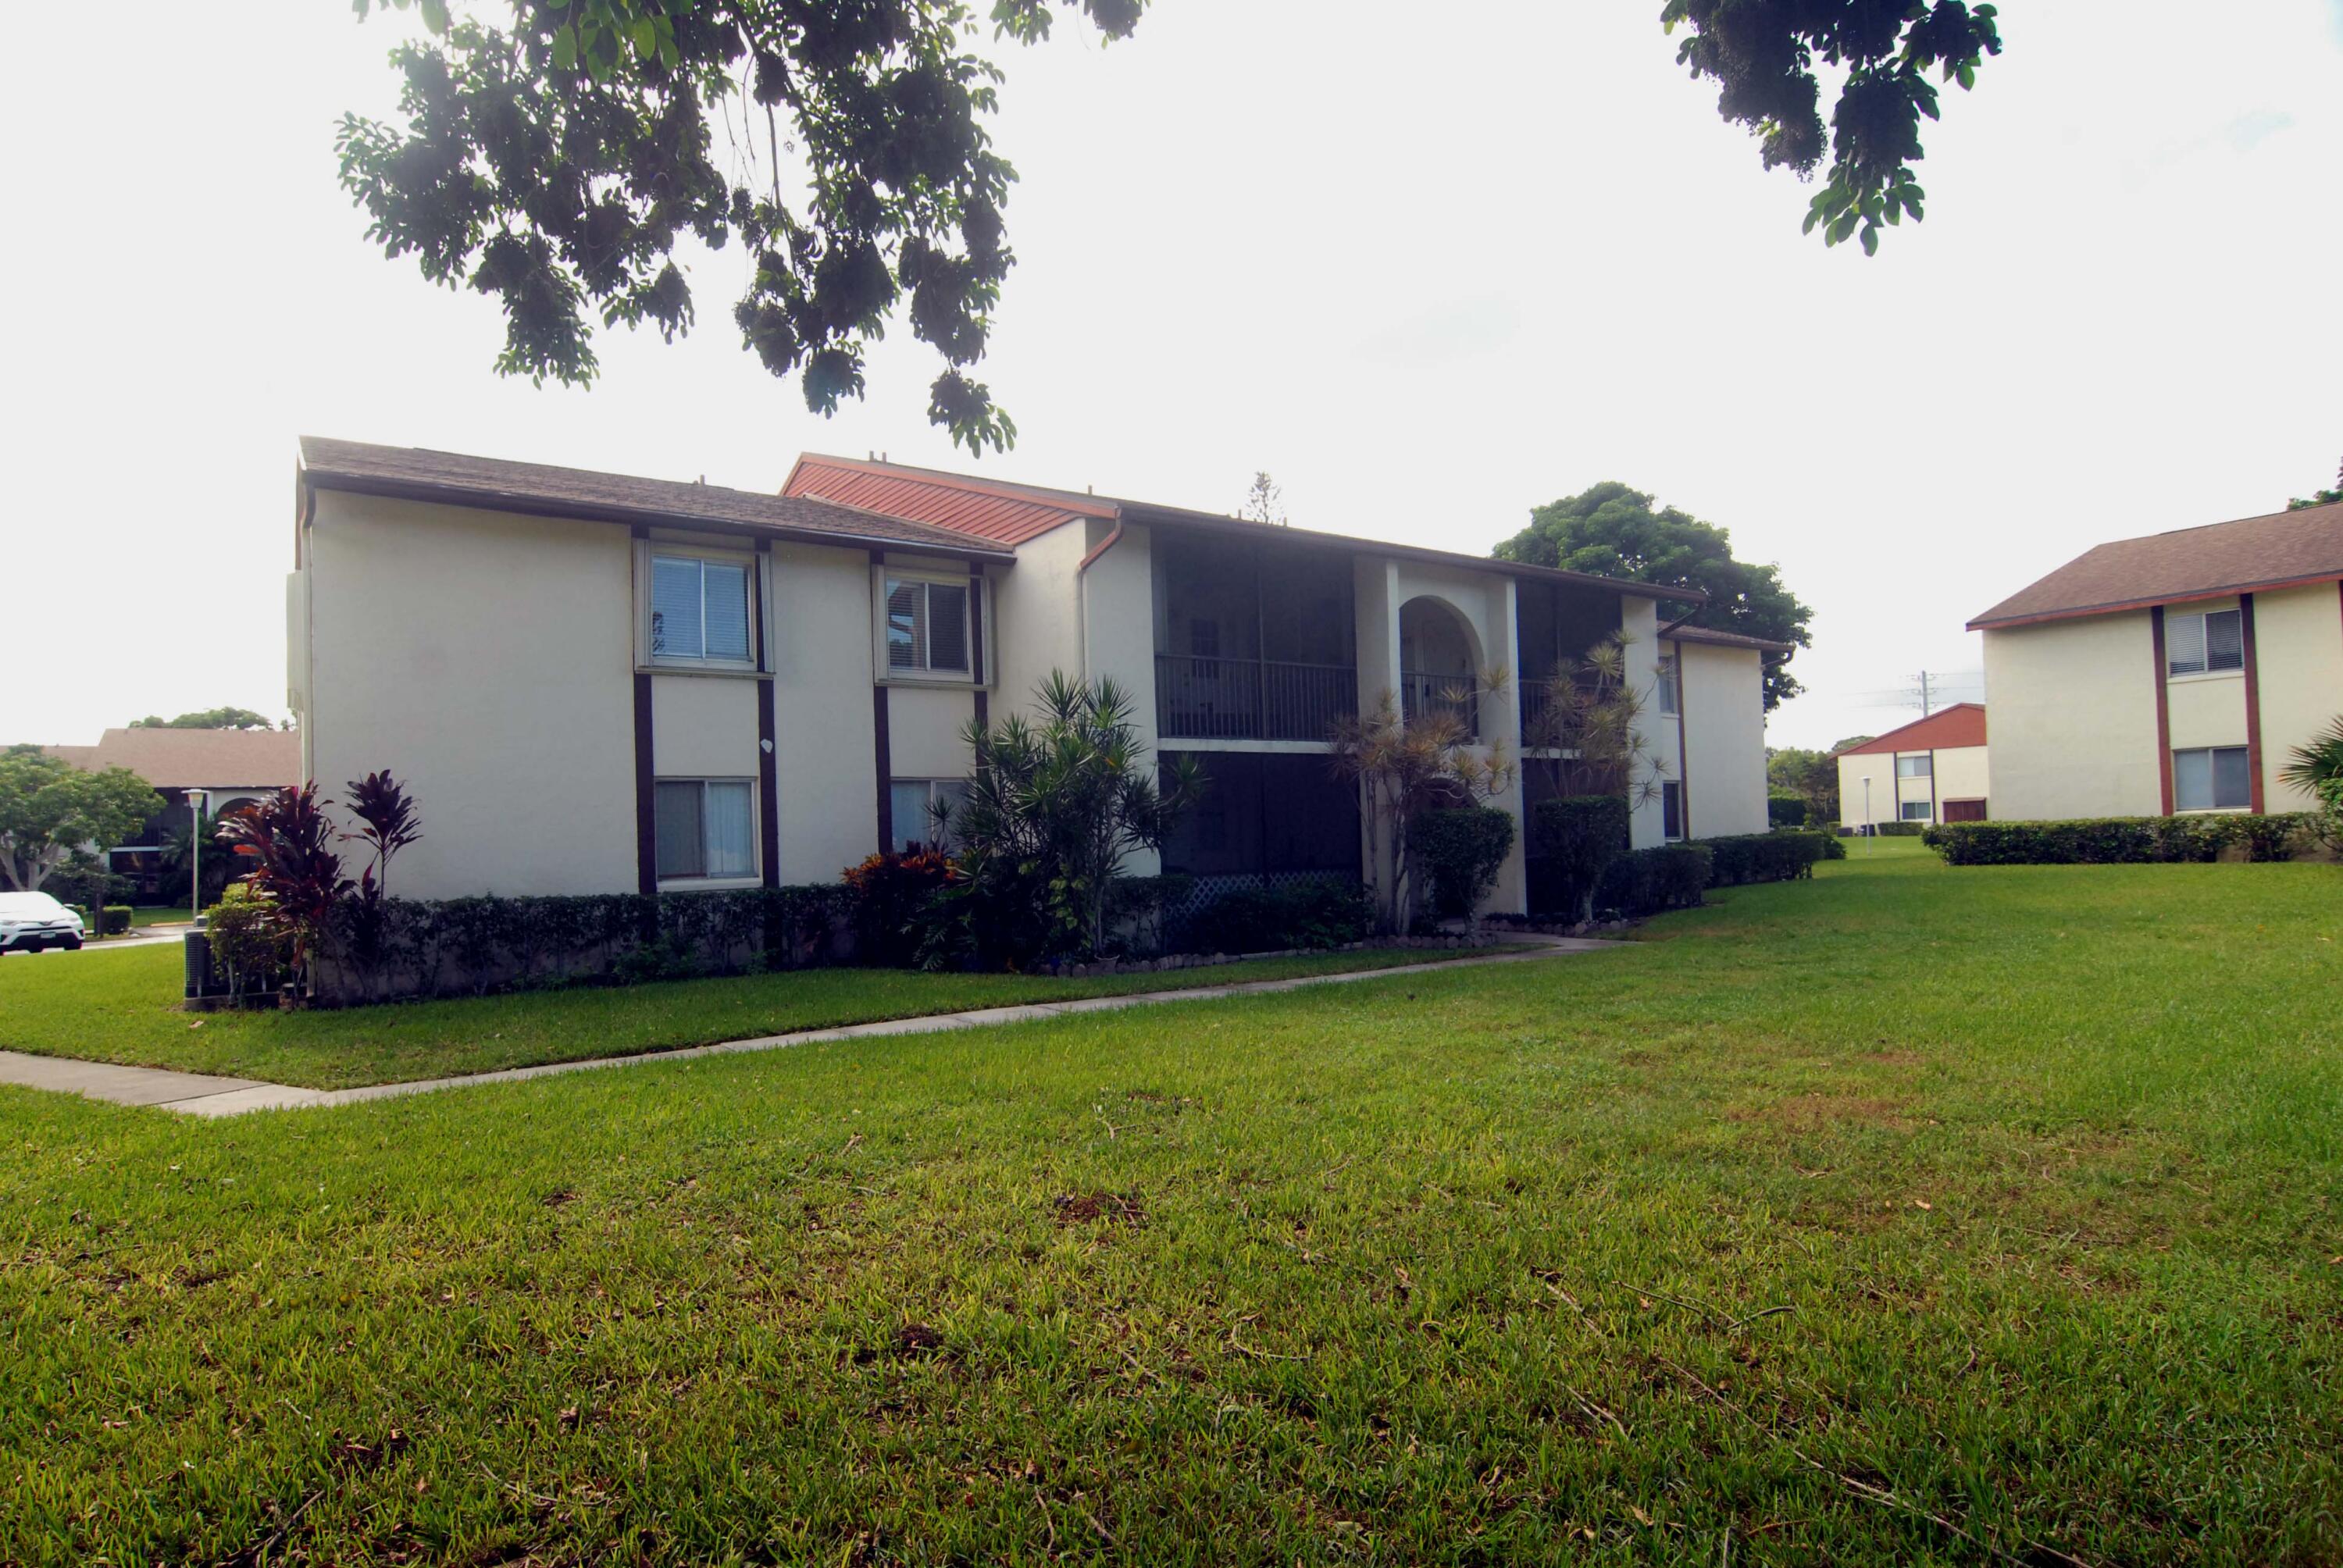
1583	724
1057	803
1411	763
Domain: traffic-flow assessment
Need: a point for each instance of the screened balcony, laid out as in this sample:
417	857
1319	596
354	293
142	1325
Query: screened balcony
1254	641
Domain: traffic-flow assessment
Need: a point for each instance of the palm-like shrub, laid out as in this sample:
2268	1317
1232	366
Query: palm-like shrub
1582	725
2316	766
1057	803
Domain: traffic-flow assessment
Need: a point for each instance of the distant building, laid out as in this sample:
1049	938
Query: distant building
2168	674
1931	771
230	766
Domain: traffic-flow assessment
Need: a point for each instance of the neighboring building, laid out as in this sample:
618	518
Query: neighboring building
229	766
1933	769
2170	673
595	683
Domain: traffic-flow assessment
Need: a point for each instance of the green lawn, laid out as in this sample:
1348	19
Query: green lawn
123	1010
168	915
1909	1215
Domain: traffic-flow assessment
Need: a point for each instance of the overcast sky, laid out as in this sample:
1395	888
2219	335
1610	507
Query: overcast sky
1429	278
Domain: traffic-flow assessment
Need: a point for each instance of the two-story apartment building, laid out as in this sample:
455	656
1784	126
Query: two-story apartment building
2169	673
1933	769
600	683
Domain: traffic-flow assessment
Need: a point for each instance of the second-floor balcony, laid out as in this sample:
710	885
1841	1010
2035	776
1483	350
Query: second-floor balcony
1202	699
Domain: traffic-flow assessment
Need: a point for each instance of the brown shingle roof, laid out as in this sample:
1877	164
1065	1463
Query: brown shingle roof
2281	549
1962	724
1726	639
414	473
195	759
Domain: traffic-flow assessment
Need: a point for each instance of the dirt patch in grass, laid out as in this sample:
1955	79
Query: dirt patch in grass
1814	1112
1114	1208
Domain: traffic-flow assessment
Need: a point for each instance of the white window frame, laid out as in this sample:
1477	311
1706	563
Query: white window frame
1926	813
648	554
2212	778
1671	684
2206	670
930	788
1915	765
753	875
882	579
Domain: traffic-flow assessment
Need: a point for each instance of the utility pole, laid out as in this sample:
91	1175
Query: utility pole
1925	709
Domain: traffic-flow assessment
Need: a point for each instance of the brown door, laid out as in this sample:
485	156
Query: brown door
1964	810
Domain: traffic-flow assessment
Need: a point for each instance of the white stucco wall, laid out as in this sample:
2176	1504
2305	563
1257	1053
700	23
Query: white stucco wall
486	660
1724	739
2299	661
2072	707
1038	628
926	725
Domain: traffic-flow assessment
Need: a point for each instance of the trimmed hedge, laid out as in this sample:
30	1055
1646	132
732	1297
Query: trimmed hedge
1460	851
1782	857
114	919
1647	881
2116	841
1572	839
1901	830
1317	912
1786	810
400	947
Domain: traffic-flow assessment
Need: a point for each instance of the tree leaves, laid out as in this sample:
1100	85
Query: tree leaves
1763	56
556	164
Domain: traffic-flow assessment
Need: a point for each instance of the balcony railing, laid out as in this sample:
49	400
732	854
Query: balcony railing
1421	691
1250	698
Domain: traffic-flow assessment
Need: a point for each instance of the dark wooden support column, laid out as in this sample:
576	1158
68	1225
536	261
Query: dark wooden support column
646	774
1684	751
2253	704
769	761
976	669
882	760
2163	710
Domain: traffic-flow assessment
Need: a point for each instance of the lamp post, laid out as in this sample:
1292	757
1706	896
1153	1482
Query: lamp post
1870	828
196	801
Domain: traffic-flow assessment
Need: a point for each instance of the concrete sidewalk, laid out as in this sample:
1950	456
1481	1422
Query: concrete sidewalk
198	1094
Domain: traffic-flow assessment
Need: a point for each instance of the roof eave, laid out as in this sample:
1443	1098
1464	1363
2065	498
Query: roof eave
534	506
1990	622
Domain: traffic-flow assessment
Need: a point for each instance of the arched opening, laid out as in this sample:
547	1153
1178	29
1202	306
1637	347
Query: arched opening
1438	661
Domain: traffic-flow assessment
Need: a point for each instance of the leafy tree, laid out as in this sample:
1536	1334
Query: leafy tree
1058	802
558	162
51	810
208	718
1852	741
1763	54
2319	498
1410	765
1812	775
2316	766
1265	502
1615	531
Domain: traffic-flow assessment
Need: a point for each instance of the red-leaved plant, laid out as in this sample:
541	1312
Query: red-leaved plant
291	844
387	822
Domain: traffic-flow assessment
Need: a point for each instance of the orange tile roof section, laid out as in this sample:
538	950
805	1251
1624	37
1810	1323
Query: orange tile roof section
1011	514
2279	550
986	508
1962	724
193	759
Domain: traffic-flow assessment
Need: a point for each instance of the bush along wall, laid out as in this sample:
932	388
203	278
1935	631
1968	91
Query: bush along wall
1785	810
2117	841
400	947
1783	857
1649	881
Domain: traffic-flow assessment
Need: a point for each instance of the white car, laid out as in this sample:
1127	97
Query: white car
31	921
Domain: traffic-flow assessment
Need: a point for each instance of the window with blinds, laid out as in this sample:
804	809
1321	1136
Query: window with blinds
700	610
927	627
1671	688
703	829
2212	779
2196	644
1914	766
